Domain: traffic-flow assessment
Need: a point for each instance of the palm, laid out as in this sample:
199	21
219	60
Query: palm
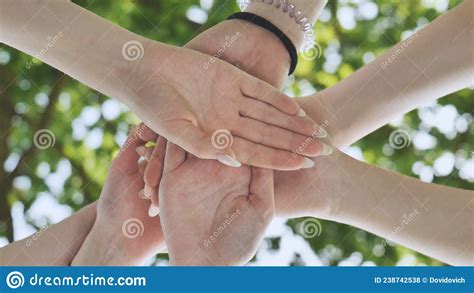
208	210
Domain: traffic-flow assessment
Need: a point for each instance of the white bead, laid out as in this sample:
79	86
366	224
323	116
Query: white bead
285	6
291	8
298	15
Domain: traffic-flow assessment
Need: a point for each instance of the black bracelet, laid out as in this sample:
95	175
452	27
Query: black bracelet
262	22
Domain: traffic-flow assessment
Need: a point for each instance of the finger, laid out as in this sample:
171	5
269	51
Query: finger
193	140
175	156
261	187
154	169
153	210
254	88
126	159
155	199
257	155
263	112
145	133
141	194
142	166
276	137
145	152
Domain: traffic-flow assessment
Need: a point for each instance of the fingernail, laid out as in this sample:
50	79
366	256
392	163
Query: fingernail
301	113
228	160
141	194
140	150
153	211
321	133
327	150
148	191
307	163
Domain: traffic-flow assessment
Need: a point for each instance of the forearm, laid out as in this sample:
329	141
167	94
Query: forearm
429	218
52	245
108	244
75	41
102	247
430	64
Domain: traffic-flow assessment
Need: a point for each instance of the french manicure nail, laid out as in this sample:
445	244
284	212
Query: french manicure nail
141	194
140	150
148	191
153	211
321	133
327	150
228	160
307	163
301	113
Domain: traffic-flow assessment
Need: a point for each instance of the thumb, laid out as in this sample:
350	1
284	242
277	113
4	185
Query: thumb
261	187
126	159
175	156
216	146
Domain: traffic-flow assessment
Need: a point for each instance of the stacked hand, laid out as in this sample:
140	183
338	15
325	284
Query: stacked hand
209	109
123	234
209	217
219	112
223	222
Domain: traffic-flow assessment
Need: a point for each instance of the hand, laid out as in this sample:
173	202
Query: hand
248	52
183	95
209	217
196	101
293	195
123	234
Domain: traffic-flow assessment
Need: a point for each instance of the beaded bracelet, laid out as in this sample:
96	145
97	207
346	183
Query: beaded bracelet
301	20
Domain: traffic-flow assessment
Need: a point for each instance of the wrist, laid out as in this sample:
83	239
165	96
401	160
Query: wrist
318	107
255	50
106	245
96	249
344	181
158	64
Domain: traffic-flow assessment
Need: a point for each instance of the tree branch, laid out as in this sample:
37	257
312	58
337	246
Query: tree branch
7	179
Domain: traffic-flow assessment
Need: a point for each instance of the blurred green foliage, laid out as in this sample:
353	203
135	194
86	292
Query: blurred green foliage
23	112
